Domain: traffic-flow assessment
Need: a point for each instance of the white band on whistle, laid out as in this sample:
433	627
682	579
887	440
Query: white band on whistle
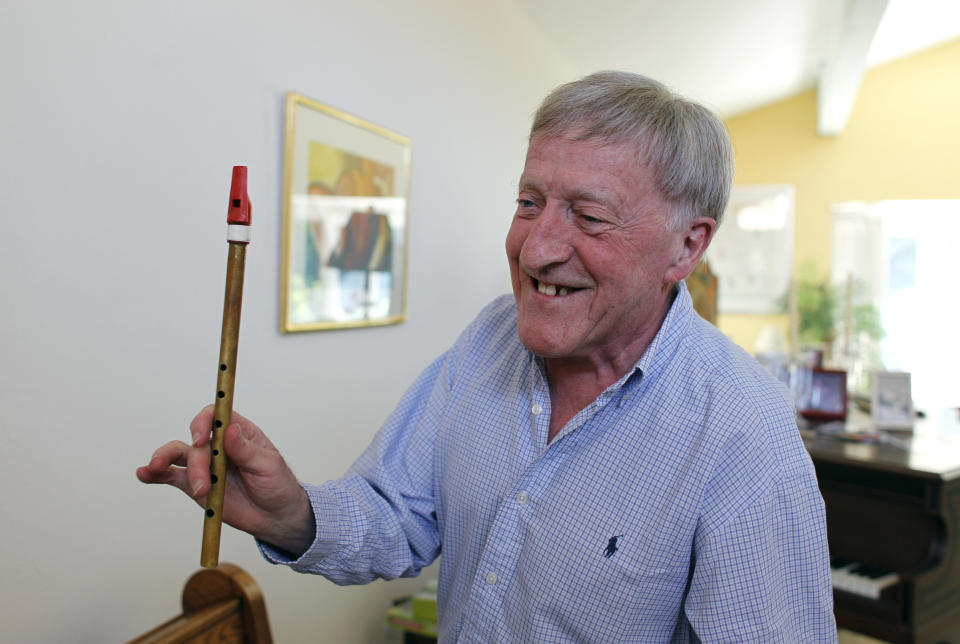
238	233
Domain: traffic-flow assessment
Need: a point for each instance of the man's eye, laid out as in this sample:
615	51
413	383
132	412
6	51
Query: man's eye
525	203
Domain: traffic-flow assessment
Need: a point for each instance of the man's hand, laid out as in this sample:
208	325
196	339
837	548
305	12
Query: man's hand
262	496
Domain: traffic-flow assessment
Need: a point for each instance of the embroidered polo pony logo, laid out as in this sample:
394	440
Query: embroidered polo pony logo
611	548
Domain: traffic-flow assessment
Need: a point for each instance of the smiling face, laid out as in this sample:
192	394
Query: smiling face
591	258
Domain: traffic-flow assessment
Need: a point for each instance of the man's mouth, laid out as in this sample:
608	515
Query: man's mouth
552	289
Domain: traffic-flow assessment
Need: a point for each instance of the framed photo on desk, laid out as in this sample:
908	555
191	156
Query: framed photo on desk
892	404
822	394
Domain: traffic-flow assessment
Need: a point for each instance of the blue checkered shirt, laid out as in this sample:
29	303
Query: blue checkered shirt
680	506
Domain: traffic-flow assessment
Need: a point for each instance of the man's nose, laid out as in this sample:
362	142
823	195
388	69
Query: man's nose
548	239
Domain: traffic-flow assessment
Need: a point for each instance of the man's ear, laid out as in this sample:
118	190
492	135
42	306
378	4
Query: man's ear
697	237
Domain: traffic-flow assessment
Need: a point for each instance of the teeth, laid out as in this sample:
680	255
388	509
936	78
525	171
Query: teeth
550	289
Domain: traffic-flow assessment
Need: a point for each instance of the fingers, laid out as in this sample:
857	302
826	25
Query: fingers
198	471
201	425
188	466
173	453
180	465
264	496
174	477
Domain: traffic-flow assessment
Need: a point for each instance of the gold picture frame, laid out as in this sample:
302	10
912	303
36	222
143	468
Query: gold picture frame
346	187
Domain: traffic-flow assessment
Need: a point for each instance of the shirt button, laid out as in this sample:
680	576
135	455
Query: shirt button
536	409
522	498
491	579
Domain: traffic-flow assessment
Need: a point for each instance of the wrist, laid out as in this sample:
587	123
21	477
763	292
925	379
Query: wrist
294	533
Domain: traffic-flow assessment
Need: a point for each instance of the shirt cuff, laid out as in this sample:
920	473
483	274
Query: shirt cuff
326	518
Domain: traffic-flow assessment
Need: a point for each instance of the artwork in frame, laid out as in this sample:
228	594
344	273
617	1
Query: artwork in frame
346	185
822	394
752	251
891	406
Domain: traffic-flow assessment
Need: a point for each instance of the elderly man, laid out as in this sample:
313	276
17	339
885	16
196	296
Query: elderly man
596	462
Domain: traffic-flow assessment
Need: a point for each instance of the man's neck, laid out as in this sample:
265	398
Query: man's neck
573	386
576	382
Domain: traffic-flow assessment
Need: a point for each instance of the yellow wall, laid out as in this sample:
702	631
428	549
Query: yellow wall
902	142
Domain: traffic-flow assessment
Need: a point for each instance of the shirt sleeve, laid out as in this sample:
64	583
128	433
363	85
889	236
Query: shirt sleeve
763	574
379	520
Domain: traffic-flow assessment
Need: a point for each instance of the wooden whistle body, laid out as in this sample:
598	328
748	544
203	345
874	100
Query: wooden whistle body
223	405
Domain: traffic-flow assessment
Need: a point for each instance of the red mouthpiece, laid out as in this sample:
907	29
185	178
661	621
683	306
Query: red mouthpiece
238	211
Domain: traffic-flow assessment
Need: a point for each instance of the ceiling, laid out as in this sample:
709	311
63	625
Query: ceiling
736	55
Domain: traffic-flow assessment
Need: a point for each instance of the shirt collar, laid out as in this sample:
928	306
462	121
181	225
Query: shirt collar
673	328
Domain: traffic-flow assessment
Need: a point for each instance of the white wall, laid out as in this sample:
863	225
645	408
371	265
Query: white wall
119	124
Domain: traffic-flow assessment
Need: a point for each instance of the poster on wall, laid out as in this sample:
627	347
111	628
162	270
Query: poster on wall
346	186
752	251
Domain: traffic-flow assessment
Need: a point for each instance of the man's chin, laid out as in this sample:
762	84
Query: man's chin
540	344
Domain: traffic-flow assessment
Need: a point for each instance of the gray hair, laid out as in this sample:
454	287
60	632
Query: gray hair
685	144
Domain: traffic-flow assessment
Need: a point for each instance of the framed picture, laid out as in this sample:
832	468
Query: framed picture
346	186
752	252
822	394
892	403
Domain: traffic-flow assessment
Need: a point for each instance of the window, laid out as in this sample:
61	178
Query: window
899	256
